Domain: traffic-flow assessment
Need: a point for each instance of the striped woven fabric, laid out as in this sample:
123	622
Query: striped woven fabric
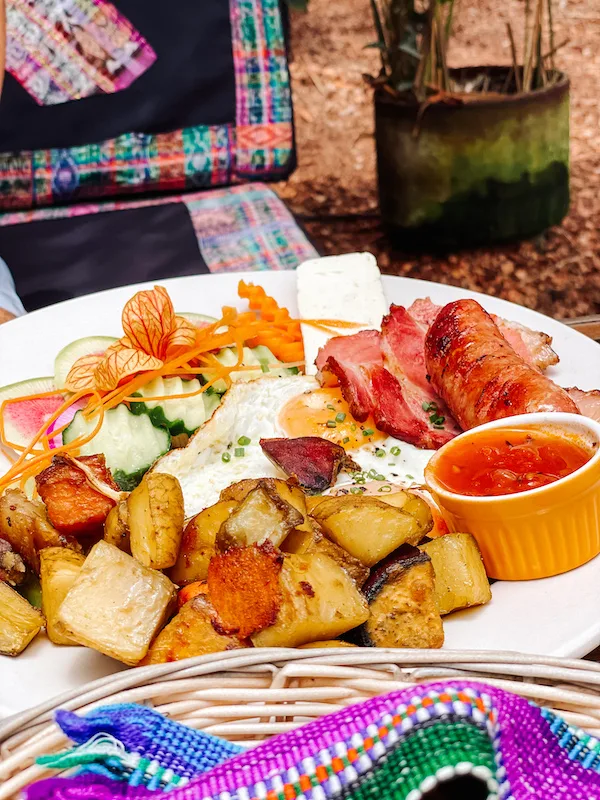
470	739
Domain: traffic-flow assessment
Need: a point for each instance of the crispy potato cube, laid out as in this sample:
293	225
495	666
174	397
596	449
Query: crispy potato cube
313	500
243	586
198	543
116	605
302	543
402	604
366	527
19	622
12	566
320	601
59	567
288	492
261	516
190	633
116	527
25	526
74	506
460	578
156	517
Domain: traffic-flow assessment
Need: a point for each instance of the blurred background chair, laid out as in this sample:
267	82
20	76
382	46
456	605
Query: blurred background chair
136	141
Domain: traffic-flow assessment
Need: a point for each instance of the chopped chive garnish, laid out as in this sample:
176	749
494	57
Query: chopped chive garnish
345	440
387	488
437	419
379	477
429	406
359	480
353	426
239	452
243	440
226	457
368	432
331	423
356	490
395	451
264	365
410	477
340	416
372	473
379	452
331	408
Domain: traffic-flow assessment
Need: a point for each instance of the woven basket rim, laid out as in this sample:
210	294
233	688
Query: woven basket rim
246	659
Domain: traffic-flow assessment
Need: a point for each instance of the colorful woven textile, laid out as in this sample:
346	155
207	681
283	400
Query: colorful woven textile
399	746
255	143
136	744
238	229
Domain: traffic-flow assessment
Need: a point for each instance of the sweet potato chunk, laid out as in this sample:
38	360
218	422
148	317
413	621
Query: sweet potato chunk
24	525
74	506
243	585
190	633
262	516
312	461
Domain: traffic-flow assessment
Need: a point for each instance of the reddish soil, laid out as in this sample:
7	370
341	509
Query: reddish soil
334	189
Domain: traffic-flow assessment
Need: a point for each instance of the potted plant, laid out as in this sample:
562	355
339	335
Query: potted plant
468	156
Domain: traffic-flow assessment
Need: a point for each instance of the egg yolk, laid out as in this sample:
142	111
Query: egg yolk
325	413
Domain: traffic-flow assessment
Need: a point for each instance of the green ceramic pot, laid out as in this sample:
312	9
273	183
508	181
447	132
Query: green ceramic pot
492	169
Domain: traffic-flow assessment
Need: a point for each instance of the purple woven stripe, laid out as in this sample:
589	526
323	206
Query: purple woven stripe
536	765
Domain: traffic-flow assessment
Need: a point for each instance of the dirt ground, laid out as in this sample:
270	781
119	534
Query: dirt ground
334	189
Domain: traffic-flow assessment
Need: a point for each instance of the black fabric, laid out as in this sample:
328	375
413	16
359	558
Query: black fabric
192	82
54	260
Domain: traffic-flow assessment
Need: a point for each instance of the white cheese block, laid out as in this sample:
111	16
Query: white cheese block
345	288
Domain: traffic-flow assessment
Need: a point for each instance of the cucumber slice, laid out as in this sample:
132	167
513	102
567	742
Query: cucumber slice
23	420
261	356
199	320
89	345
130	443
180	415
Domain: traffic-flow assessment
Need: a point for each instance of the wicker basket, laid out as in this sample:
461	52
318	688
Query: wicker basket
249	695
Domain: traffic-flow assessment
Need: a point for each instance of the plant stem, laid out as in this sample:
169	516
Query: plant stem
513	51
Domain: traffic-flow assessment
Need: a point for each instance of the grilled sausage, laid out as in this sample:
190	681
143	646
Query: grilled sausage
478	374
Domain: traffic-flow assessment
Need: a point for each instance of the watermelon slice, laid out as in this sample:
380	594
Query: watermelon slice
23	420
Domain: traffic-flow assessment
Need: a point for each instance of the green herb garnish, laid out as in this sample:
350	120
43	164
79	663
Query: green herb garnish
243	440
239	452
226	457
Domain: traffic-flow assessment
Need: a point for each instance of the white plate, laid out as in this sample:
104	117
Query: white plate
557	616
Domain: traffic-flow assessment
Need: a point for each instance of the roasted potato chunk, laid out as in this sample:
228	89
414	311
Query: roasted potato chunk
116	605
198	543
24	525
320	601
328	643
116	527
190	633
19	622
59	567
302	543
156	517
12	566
288	492
74	506
243	586
402	603
366	527
460	578
262	516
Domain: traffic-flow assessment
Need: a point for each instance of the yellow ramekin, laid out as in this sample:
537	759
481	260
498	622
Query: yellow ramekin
540	532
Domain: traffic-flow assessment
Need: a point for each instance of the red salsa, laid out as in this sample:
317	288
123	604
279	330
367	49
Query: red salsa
505	461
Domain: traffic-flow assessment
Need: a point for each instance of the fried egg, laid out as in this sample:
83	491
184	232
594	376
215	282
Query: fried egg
226	448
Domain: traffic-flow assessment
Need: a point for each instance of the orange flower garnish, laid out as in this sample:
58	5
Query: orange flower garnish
154	334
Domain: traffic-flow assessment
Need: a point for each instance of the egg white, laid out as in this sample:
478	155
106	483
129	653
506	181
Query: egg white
209	464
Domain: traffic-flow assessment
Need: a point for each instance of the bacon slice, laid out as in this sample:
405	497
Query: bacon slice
588	403
403	348
314	462
534	347
349	361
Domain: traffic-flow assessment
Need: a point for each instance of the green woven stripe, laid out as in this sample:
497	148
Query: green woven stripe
421	754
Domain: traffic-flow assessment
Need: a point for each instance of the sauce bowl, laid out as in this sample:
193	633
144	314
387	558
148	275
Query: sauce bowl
539	532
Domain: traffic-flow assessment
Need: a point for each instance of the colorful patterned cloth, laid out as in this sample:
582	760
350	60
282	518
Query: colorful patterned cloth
399	746
64	56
